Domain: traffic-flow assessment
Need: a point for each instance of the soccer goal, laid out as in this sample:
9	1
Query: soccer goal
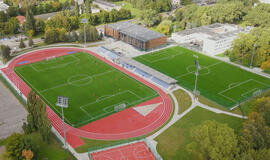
120	107
50	58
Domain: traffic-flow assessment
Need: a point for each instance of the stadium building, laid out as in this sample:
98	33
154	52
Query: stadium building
136	35
212	39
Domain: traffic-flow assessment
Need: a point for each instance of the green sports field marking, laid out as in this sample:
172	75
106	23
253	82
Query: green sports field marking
94	88
215	76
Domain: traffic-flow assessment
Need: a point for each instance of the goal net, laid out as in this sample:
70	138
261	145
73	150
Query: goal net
120	107
50	58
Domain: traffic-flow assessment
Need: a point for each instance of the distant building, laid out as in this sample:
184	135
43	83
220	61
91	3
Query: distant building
204	2
136	35
176	3
212	39
80	2
265	1
3	6
107	6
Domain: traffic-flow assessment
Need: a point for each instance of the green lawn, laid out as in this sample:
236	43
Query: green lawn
134	11
218	81
93	87
54	150
172	143
183	99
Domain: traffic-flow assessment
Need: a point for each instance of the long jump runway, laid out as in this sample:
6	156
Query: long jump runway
125	124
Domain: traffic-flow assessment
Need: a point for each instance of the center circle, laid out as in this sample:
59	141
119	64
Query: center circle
203	71
80	80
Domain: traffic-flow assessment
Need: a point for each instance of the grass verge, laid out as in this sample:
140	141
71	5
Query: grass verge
183	99
172	143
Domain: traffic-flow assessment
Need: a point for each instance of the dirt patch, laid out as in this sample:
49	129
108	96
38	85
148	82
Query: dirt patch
12	113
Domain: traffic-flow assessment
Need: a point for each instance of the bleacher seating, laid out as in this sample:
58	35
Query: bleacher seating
142	73
106	52
160	82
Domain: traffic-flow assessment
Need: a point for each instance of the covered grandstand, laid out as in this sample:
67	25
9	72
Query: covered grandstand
147	72
138	68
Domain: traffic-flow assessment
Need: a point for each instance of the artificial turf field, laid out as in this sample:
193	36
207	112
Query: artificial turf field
218	81
93	87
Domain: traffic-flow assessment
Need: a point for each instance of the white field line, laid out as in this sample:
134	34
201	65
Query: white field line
163	58
54	66
68	83
209	66
42	96
237	85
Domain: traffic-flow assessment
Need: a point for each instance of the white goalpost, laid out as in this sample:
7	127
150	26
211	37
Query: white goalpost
50	58
120	107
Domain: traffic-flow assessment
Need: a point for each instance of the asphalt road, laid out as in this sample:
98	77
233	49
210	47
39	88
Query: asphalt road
12	113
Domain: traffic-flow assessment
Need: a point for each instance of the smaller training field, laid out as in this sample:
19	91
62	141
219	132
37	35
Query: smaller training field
135	151
94	88
218	81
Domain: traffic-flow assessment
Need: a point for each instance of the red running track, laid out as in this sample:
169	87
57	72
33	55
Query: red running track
121	125
135	151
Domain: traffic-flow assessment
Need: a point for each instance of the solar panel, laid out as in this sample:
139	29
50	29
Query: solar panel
62	101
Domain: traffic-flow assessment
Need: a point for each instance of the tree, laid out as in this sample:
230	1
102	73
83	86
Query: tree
12	11
165	27
243	47
29	23
266	65
259	16
77	9
51	36
3	17
39	26
27	154
87	4
91	34
30	42
22	45
149	17
37	119
5	53
15	145
12	26
213	141
255	134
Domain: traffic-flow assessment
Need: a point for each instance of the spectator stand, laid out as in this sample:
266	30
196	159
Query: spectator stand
147	72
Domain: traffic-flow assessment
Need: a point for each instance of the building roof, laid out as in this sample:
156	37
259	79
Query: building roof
21	19
136	31
3	6
149	70
229	31
106	3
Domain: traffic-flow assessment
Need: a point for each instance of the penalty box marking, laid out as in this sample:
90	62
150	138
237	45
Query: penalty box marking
237	85
161	59
62	58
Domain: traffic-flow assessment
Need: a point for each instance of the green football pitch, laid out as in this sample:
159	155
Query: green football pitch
93	87
218	81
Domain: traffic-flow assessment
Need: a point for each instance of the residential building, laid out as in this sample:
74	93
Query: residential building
3	6
136	35
212	39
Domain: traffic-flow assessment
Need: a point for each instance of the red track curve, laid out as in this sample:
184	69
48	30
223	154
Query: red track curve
149	124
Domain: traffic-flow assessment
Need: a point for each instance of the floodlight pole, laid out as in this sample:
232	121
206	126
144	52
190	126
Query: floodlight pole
64	128
252	58
84	36
196	79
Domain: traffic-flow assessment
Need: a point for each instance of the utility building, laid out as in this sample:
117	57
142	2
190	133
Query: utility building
135	35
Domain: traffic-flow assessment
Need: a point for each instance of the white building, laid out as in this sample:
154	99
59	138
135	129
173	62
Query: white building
176	3
265	1
212	39
3	6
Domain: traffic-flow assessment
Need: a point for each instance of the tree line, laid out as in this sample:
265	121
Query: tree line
215	141
21	146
